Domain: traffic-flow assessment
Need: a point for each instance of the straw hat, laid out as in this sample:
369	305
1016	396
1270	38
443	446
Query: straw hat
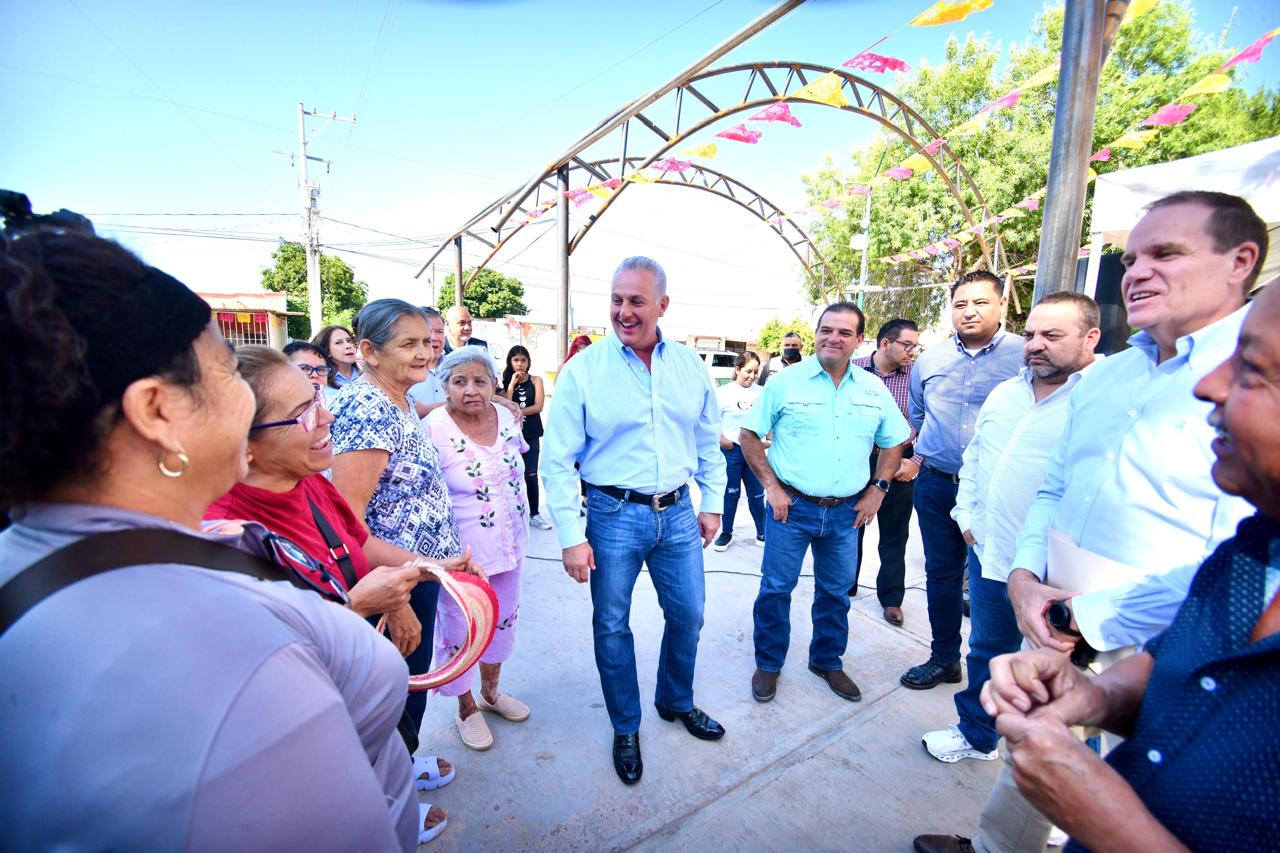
479	607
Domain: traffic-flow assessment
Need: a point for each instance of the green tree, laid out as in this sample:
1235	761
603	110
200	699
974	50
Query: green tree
492	294
772	332
1154	59
341	293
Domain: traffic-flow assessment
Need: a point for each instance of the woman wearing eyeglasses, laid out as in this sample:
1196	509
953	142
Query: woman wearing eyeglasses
339	348
168	702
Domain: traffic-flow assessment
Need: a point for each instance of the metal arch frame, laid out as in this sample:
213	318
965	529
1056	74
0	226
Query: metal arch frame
707	180
865	98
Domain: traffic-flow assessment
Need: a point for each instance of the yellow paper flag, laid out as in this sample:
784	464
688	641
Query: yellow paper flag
1044	75
1137	9
600	190
642	177
917	163
824	90
948	12
1214	84
706	149
970	127
1134	139
964	236
1013	213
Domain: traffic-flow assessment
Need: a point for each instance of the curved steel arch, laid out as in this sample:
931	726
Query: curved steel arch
709	180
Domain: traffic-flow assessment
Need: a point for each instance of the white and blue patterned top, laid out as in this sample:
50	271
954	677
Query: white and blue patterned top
410	506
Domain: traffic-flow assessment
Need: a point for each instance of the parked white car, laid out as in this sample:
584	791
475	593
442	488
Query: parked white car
719	365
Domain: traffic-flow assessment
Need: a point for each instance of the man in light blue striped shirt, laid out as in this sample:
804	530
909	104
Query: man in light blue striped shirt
638	415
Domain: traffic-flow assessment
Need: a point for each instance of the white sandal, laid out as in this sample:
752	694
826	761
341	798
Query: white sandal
474	731
508	707
424	834
429	768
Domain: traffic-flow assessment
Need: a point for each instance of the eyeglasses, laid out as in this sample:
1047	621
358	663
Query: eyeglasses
908	347
319	372
289	555
306	419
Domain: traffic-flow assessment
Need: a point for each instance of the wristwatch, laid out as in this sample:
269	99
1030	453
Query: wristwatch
882	485
1059	618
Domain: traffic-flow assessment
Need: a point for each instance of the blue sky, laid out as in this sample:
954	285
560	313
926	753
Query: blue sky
134	108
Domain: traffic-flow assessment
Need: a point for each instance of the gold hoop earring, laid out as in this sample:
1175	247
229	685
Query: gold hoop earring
168	472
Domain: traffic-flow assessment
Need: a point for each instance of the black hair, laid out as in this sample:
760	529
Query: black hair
304	346
321	341
844	308
979	275
891	330
509	371
56	288
1090	314
1232	222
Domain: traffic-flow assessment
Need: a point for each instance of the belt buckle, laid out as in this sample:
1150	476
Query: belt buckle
655	503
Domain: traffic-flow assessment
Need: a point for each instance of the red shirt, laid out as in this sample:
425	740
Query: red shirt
289	514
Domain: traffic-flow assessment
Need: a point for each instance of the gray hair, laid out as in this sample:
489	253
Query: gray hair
639	263
429	312
377	320
466	355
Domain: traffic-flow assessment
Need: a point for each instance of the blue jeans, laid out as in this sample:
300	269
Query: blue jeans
831	534
993	630
423	600
740	475
944	561
624	535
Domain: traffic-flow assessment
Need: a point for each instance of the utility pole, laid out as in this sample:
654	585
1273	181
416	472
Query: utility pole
311	207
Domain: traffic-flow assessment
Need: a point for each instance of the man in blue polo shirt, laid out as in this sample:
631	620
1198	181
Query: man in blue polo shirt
825	415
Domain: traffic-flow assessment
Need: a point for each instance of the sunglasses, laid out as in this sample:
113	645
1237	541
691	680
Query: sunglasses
306	419
290	556
318	372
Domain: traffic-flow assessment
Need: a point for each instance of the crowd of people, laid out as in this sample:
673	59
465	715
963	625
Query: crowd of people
1117	519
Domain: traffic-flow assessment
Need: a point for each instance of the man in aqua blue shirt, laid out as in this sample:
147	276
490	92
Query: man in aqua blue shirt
638	415
825	415
949	384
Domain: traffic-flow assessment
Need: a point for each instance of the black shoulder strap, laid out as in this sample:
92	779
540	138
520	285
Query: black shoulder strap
106	552
337	547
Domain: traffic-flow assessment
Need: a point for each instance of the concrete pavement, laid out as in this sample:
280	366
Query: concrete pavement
807	771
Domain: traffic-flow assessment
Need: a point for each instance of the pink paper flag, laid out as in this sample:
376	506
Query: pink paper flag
1029	203
671	164
1101	157
832	204
612	183
918	255
933	250
1009	100
777	112
867	61
1083	253
861	189
898	173
1169	114
1252	53
951	243
978	229
739	133
579	197
935	146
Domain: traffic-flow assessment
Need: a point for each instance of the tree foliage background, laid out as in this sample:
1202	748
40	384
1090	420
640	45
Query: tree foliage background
492	294
341	293
772	332
1154	58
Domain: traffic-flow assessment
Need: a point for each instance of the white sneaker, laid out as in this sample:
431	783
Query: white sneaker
539	522
950	746
1058	838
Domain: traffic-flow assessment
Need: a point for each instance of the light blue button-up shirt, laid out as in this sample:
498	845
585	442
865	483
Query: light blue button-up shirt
949	386
1004	464
822	435
1129	480
630	427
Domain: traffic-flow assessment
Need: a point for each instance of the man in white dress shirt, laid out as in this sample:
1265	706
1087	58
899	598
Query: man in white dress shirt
1127	495
1018	426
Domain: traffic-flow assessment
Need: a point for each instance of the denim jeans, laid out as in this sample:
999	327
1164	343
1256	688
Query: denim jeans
423	600
831	534
740	473
893	521
993	630
624	535
944	561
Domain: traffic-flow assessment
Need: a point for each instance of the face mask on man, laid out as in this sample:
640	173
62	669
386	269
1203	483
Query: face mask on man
791	353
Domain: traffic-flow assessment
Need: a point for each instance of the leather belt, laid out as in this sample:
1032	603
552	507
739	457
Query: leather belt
796	493
658	503
955	478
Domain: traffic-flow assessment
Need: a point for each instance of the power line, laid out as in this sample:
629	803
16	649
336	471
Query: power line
188	214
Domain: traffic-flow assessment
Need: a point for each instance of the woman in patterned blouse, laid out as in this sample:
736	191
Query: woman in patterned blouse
480	447
387	468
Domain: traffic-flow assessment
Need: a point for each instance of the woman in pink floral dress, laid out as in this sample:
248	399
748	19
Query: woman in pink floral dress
480	446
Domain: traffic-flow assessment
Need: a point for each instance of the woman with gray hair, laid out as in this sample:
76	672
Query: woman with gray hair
481	447
384	464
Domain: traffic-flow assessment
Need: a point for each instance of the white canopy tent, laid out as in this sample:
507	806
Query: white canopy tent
1251	171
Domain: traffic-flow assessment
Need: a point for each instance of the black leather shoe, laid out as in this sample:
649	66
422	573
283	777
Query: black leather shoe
696	721
942	844
930	674
626	758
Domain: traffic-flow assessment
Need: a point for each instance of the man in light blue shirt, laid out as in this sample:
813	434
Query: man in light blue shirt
949	383
825	415
1127	493
638	415
1003	465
